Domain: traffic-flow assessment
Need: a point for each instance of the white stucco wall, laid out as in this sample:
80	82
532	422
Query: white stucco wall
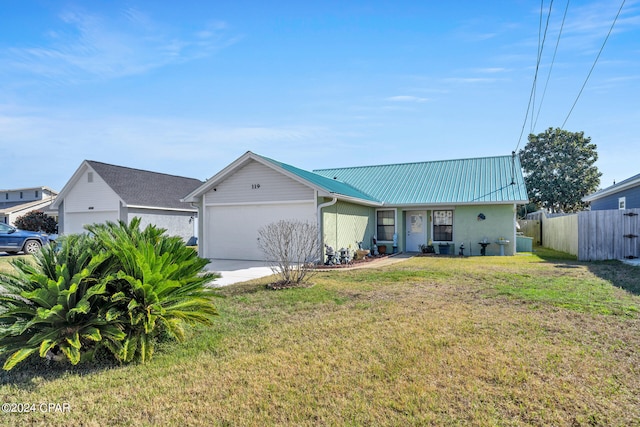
181	224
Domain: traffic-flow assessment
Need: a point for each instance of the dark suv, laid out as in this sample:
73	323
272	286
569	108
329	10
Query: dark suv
13	240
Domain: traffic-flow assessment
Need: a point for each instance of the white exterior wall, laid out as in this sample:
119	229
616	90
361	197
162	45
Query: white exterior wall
177	223
89	202
256	182
252	197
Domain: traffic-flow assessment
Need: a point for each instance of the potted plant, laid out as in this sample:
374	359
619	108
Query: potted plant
443	249
428	248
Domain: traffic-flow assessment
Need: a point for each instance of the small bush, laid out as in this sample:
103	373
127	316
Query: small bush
36	221
118	288
291	247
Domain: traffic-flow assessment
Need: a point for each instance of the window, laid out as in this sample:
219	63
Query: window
21	195
90	177
37	194
386	225
622	203
443	226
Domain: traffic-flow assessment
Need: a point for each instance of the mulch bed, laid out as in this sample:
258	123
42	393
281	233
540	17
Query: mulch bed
352	263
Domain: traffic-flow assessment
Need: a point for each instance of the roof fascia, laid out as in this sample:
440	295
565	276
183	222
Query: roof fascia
158	208
355	200
217	178
437	205
611	190
36	204
72	182
43	188
242	160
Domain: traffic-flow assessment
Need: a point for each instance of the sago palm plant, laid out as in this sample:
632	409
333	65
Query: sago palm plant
57	304
159	282
118	287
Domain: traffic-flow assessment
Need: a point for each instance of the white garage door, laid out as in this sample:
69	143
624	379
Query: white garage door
232	231
74	221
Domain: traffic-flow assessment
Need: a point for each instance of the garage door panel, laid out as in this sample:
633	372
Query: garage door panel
74	222
232	231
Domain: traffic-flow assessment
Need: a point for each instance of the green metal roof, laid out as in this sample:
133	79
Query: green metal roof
330	185
478	180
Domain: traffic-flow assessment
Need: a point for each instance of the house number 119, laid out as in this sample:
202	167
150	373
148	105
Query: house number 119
255	186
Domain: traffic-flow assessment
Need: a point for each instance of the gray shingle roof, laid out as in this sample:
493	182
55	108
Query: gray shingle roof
138	187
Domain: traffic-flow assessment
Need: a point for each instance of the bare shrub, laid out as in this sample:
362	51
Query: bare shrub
290	247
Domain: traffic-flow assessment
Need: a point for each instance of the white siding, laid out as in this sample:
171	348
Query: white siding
96	194
89	203
256	182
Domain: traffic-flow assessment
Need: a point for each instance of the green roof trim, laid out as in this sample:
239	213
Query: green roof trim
329	185
478	180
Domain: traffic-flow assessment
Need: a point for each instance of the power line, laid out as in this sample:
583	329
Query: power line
555	51
535	77
540	50
594	64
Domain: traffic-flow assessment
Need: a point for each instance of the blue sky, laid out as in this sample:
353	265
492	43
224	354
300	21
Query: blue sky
187	87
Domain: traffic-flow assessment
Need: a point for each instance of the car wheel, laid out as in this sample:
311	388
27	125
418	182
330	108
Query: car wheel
31	247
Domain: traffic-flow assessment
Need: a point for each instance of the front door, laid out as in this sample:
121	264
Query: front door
416	230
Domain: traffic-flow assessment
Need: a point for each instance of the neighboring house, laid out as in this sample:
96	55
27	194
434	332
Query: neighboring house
18	202
623	195
449	202
99	192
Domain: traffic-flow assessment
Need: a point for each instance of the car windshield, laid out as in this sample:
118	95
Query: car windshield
4	228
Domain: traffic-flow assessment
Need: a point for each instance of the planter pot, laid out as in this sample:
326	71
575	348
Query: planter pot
443	249
382	249
361	253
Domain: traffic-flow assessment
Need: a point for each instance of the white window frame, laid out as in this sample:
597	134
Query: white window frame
622	203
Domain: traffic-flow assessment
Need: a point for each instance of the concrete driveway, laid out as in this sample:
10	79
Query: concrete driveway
235	271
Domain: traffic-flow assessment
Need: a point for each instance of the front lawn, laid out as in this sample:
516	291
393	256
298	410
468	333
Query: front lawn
524	340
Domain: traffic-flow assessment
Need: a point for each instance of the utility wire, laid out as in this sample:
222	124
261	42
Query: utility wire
555	51
533	87
594	64
540	50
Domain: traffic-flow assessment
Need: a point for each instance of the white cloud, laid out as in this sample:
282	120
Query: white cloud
407	98
196	148
492	70
93	47
469	80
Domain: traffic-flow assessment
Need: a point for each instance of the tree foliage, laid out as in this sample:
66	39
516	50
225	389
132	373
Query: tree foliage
560	169
36	221
291	247
118	287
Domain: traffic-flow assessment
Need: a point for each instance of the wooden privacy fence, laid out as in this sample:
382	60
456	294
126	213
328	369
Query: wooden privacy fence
609	234
590	235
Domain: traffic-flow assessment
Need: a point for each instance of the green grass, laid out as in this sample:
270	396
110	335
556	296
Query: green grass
5	262
525	340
